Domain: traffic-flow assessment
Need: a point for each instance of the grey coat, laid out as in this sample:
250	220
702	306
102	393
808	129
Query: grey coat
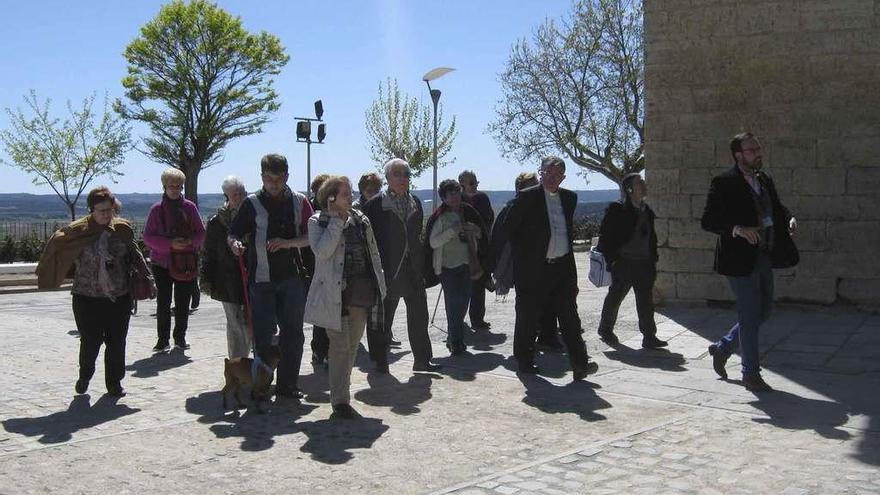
324	302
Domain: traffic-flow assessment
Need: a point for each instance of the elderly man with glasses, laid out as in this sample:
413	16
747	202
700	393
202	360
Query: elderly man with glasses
397	219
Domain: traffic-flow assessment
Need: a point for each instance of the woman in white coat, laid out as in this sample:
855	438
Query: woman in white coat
348	286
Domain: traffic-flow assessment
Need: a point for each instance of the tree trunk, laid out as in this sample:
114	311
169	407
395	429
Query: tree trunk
191	186
72	208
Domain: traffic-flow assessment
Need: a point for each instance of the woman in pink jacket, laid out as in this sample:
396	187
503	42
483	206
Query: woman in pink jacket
174	233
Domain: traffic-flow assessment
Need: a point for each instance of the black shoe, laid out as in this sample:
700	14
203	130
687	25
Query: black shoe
344	411
318	359
609	338
426	367
754	383
456	349
719	360
116	391
162	346
528	368
588	369
481	325
181	344
394	343
653	342
81	386
288	392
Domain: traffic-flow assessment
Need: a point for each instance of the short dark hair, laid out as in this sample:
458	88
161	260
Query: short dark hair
317	182
448	186
99	195
274	163
736	144
552	161
369	178
465	174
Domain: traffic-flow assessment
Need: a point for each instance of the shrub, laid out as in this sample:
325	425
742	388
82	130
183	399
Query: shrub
7	250
30	248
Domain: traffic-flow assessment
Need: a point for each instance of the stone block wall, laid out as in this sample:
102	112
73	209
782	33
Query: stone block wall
804	75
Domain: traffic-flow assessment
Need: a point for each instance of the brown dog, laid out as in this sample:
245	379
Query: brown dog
239	374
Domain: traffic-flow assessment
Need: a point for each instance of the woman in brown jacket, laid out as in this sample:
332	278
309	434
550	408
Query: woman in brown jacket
101	251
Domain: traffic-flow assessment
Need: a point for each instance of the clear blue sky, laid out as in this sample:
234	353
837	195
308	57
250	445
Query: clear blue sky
340	51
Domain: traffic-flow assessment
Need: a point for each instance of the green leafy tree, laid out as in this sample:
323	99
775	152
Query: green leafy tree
400	127
66	155
577	88
198	80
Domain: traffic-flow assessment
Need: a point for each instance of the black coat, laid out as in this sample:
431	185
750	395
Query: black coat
617	229
527	226
220	271
394	237
730	203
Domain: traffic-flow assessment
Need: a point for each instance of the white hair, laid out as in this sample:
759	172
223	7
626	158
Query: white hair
395	163
232	182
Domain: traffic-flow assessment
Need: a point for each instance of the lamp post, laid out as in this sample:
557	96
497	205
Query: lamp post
304	135
435	98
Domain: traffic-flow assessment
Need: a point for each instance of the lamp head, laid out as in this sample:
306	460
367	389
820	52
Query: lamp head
304	130
322	132
319	109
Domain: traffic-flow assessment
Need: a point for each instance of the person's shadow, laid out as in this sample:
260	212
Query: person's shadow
661	359
578	397
156	363
792	412
485	340
402	398
553	365
465	367
60	426
329	441
256	430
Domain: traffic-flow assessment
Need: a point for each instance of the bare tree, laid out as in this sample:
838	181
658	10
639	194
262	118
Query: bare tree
67	155
399	126
577	88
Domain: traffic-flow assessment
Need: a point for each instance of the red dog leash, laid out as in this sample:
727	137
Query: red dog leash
247	299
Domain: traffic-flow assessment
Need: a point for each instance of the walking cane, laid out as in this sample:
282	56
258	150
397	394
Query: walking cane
437	305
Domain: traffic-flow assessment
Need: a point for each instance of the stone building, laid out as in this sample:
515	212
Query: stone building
804	75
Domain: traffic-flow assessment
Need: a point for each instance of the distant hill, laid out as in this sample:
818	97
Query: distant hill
135	206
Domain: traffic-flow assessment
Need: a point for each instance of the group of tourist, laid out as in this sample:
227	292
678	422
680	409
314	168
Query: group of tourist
277	259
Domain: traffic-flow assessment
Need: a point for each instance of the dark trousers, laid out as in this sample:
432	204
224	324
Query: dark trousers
377	343
102	321
409	287
320	343
638	275
477	309
555	288
547	327
182	294
281	305
457	285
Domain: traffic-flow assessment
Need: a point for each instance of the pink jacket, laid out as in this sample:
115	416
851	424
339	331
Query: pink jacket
159	241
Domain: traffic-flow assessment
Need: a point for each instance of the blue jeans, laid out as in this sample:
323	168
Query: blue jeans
282	304
456	283
754	301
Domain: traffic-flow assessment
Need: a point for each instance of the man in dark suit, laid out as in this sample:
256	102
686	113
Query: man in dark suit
397	219
754	236
539	227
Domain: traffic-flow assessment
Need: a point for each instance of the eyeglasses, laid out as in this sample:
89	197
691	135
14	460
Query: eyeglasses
753	150
400	174
103	210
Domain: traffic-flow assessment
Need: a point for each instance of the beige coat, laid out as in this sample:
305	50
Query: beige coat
324	302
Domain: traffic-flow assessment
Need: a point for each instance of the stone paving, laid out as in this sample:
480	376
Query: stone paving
647	422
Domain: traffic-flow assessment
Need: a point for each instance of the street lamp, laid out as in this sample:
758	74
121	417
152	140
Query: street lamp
435	98
304	135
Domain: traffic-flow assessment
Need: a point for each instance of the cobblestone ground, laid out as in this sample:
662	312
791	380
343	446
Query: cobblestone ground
648	422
